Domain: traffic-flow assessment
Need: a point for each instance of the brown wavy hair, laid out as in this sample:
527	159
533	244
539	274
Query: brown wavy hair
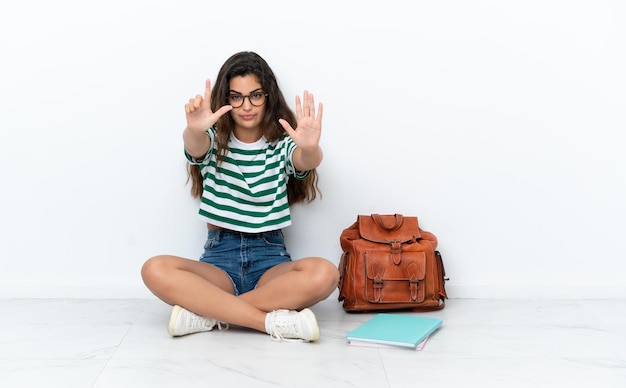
242	64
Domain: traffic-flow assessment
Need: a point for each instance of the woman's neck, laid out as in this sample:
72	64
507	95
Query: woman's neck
246	135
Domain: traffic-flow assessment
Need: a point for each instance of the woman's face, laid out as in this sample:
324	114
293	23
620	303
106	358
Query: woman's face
248	101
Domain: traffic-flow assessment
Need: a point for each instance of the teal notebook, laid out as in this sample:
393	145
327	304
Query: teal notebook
395	330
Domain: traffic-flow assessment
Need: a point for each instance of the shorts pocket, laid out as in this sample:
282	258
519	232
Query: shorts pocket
213	238
275	240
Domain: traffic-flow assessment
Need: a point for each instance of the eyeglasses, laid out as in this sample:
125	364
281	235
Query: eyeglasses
256	98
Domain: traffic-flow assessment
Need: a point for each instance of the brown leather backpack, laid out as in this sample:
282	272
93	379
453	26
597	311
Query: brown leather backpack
389	263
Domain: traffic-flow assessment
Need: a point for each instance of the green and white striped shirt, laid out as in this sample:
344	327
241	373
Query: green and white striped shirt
248	191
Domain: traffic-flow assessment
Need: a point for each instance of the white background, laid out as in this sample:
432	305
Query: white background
499	124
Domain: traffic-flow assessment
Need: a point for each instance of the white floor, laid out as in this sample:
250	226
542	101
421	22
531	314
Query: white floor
482	343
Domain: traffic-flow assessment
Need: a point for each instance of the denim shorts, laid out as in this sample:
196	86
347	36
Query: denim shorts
245	257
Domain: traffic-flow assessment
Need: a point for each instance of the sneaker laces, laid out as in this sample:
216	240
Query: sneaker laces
282	322
199	322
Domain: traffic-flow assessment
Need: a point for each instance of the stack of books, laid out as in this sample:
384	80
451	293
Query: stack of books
394	330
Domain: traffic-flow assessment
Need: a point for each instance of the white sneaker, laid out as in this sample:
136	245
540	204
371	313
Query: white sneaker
183	322
286	325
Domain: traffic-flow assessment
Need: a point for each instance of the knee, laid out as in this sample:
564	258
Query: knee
326	276
153	270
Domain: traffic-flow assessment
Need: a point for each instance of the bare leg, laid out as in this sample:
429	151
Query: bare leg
294	285
201	288
207	291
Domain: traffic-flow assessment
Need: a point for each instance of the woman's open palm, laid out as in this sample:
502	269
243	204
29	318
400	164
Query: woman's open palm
309	126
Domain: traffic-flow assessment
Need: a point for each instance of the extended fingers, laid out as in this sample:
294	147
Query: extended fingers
320	111
223	110
207	90
298	107
287	127
309	107
309	104
194	103
306	106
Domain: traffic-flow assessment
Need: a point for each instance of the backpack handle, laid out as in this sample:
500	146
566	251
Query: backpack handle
397	222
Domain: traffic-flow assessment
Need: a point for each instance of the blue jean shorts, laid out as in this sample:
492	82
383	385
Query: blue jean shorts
245	257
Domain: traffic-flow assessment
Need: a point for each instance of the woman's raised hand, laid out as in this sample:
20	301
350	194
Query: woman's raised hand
308	131
200	117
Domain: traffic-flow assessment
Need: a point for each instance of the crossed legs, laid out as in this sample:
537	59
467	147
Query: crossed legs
207	290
